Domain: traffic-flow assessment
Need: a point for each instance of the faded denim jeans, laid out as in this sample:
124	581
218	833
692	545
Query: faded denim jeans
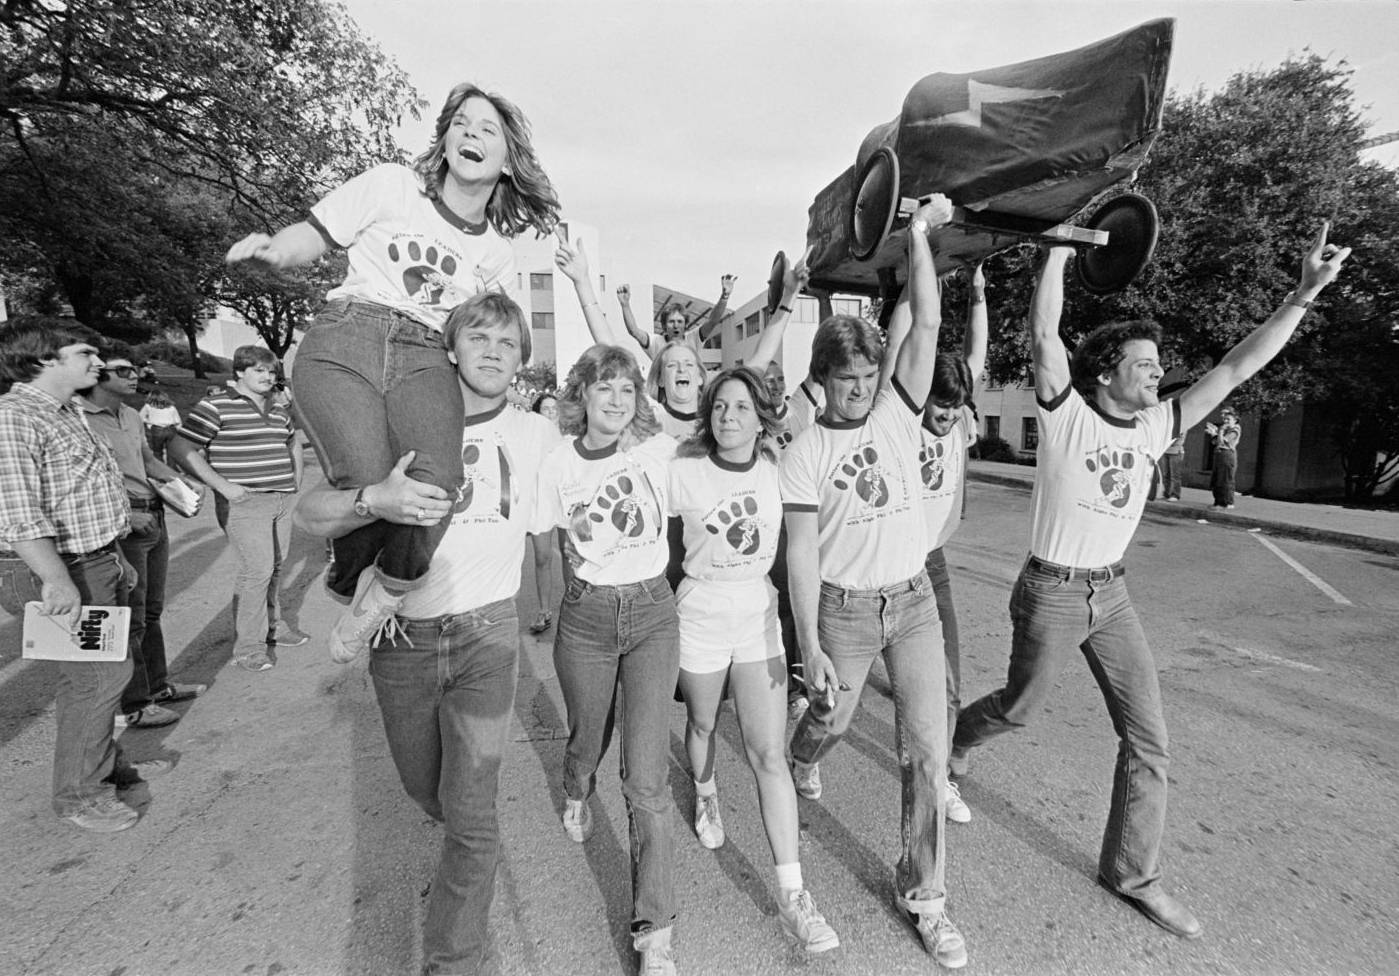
899	622
936	568
617	654
446	696
1051	616
259	527
86	757
147	549
372	384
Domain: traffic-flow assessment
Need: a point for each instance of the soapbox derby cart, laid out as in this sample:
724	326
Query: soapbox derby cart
1021	151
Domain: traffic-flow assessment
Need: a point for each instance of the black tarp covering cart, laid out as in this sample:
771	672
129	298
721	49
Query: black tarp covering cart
1020	150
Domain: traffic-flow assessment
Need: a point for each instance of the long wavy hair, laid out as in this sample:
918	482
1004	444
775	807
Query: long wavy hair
654	389
523	196
702	442
598	363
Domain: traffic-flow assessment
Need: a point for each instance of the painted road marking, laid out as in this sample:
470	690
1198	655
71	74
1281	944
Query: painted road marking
1306	573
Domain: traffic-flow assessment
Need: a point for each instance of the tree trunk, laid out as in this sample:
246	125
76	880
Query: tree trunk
192	334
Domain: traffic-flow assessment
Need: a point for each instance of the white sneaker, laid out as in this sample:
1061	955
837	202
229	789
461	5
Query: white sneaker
807	778
957	809
104	814
941	939
577	820
372	609
804	923
709	827
654	947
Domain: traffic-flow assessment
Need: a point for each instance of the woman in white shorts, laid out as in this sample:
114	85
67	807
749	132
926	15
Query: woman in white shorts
723	485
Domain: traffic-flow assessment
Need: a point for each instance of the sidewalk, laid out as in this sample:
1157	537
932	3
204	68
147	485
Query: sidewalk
1354	527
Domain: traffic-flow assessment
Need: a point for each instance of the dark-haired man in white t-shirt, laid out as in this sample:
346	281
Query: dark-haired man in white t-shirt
446	683
1101	427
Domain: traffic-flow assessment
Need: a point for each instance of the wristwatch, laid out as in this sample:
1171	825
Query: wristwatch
362	506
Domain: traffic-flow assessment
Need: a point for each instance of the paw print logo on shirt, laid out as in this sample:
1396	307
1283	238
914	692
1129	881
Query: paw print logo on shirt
931	457
615	502
476	478
862	472
1114	481
781	439
738	526
427	273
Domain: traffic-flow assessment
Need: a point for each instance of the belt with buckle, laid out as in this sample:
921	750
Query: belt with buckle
1075	574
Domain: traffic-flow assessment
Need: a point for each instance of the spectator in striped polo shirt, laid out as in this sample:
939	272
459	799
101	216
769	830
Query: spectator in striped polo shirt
241	443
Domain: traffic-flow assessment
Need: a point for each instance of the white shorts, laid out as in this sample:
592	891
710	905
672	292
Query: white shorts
726	623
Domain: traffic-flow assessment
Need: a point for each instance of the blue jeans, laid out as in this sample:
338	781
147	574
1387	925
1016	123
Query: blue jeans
372	384
148	550
445	696
86	757
936	568
259	526
617	650
1049	617
1226	463
900	622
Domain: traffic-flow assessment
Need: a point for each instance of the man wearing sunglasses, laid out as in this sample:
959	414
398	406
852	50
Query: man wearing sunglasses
146	546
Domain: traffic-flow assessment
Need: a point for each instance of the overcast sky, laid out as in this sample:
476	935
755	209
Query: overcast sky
694	135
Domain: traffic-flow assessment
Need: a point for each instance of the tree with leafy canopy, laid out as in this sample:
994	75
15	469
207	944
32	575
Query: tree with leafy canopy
1241	178
124	122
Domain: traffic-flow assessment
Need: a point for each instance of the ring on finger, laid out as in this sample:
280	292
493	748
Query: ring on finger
422	514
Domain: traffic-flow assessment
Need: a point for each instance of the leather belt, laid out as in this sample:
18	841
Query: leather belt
1074	574
144	504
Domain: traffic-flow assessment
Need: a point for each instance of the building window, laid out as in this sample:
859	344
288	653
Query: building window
715	340
807	312
541	282
751	325
542	320
993	428
846	306
1029	433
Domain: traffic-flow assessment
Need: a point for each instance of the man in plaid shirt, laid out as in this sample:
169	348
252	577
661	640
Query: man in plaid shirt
62	508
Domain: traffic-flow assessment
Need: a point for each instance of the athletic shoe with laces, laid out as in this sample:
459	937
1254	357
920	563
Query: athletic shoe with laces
657	961
804	923
957	809
577	820
941	939
807	779
173	692
373	610
104	814
287	638
149	717
709	827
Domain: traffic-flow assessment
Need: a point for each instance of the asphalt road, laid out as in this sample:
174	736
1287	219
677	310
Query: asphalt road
282	843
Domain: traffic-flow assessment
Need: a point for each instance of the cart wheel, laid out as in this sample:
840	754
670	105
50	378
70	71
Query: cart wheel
875	204
1132	226
775	278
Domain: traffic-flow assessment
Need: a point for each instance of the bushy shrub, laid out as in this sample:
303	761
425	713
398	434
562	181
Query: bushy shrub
994	449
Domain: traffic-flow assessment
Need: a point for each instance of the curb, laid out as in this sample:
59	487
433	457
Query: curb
1192	512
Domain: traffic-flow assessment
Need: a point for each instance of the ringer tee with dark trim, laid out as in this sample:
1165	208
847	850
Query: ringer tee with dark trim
408	251
1092	478
861	478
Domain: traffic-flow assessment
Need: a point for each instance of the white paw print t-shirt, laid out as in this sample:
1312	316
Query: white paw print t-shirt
1092	477
862	480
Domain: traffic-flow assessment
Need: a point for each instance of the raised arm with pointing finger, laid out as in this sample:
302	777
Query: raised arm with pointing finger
1320	266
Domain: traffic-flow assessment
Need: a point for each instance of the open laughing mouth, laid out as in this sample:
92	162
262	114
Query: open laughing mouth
472	153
